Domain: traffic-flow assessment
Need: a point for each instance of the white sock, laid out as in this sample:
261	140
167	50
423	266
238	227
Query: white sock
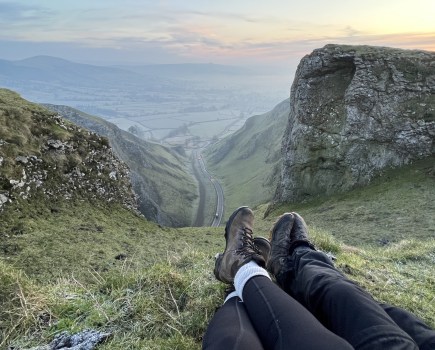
231	295
245	273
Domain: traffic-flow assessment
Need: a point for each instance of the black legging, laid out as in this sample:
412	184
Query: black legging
231	328
279	321
282	323
416	328
348	310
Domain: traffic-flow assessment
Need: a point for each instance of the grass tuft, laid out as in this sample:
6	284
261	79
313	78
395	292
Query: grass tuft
23	304
325	241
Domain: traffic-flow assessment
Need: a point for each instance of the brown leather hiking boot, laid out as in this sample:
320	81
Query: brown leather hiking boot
289	232
239	248
263	246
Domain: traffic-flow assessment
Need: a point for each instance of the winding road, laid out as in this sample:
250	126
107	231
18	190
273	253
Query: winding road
203	176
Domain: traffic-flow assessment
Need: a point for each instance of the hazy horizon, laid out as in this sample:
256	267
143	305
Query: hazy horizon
276	34
176	105
263	36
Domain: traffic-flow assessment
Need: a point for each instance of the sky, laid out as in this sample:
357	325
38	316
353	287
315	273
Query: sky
273	33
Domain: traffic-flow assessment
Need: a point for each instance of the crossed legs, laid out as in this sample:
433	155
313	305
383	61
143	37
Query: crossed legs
312	306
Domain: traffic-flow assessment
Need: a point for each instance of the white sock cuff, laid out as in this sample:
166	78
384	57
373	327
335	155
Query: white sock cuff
231	295
245	273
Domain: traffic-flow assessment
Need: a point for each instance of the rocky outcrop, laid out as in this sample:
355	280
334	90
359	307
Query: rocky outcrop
356	110
44	155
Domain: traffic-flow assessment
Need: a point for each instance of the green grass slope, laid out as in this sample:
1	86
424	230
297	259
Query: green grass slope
153	288
166	189
99	265
68	264
248	162
399	205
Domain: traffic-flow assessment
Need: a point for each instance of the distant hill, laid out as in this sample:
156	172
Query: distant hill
54	70
158	99
248	162
159	174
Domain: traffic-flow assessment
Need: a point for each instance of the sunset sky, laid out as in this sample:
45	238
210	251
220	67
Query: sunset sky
239	32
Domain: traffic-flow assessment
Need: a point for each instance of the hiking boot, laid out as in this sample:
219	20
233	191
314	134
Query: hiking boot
239	248
299	234
280	242
263	246
289	232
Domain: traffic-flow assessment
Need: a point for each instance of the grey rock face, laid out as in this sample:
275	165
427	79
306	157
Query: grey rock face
356	110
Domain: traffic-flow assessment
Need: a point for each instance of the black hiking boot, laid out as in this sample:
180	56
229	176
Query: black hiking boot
289	232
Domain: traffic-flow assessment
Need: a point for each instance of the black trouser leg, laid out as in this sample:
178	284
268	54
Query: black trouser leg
231	328
416	328
282	323
341	305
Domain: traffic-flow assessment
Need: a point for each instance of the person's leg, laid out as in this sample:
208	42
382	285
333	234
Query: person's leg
342	306
280	321
416	328
240	263
231	328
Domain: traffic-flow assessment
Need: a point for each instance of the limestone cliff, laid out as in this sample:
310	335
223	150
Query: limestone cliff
355	110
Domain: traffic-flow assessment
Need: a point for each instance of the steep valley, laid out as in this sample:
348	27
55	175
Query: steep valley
76	254
248	161
160	175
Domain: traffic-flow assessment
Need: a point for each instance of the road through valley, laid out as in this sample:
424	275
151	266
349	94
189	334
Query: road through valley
204	179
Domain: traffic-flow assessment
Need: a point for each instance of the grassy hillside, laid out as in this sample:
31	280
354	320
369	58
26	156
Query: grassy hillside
102	267
160	177
248	162
399	205
152	287
43	154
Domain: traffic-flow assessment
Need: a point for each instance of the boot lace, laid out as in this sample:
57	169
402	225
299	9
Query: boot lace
247	248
